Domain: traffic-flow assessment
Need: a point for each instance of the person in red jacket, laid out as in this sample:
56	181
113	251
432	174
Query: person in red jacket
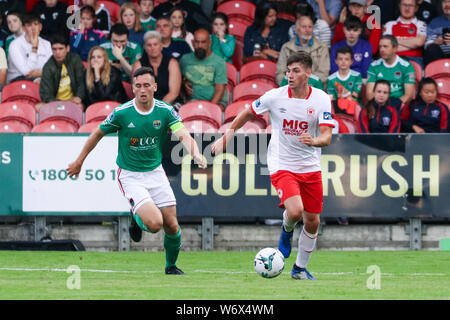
378	115
426	113
371	31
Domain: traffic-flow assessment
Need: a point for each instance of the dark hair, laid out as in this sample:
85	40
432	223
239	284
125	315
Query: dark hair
183	26
59	38
353	23
120	29
139	1
302	57
143	70
422	83
163	18
305	9
344	50
16	13
370	105
90	10
30	18
391	38
223	16
261	13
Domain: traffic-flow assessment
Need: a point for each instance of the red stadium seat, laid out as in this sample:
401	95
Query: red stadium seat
235	108
259	69
251	90
200	126
201	110
61	110
128	89
100	110
89	127
286	16
113	8
237	28
30	5
238	9
438	69
238	55
14	126
248	127
232	75
19	111
443	85
55	126
418	70
347	124
269	129
21	90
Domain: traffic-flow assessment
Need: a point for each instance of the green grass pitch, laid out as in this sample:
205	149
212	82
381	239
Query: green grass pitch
222	276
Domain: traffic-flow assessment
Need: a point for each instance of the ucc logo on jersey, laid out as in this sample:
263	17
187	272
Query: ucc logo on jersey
144	143
294	127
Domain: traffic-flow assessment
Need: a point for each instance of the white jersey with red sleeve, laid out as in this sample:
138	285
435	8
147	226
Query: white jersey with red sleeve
290	117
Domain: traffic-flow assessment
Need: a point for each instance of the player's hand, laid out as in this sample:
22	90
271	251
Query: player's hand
218	146
74	169
306	138
200	161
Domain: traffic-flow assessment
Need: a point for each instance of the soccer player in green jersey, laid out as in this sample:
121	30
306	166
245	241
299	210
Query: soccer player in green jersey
142	125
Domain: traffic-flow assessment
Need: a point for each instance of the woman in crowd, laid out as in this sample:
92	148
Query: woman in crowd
426	113
222	43
129	16
168	83
264	38
103	81
378	116
179	26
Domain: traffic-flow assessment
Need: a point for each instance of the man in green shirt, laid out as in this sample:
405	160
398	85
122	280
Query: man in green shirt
399	72
121	52
142	125
204	72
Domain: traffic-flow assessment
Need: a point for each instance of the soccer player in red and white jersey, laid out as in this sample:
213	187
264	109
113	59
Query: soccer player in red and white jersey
410	32
301	125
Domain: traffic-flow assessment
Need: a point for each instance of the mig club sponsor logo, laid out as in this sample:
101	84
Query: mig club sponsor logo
294	127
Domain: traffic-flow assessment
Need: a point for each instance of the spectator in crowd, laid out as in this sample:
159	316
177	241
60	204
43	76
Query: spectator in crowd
307	42
10	5
103	81
29	52
129	16
147	20
371	30
172	47
222	43
321	29
165	68
426	113
345	83
327	10
62	75
264	38
179	27
388	10
397	71
378	115
53	14
195	17
15	26
3	68
121	52
409	31
102	14
426	11
362	50
81	41
437	45
3	32
204	73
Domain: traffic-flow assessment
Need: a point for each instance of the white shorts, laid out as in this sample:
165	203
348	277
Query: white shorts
150	186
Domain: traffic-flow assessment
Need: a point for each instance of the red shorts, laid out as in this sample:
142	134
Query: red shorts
307	185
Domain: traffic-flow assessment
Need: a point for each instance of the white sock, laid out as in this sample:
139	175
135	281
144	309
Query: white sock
306	244
288	226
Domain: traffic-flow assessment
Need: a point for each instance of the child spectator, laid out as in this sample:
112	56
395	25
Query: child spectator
147	20
129	16
102	14
426	113
15	26
179	27
362	50
54	17
222	43
378	116
81	41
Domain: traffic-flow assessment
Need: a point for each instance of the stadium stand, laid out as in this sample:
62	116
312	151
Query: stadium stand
236	107
237	29
238	9
64	111
232	75
202	110
251	90
269	129
113	8
13	126
89	127
443	85
128	89
18	111
200	126
286	16
419	72
438	69
99	111
55	126
259	69
27	91
238	55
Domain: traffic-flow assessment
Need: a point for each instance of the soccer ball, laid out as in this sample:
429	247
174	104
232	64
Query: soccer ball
269	262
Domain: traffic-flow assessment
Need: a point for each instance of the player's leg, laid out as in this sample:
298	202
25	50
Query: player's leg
172	239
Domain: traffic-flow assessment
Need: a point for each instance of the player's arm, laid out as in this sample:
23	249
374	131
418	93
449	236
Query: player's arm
75	167
191	145
323	140
244	116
